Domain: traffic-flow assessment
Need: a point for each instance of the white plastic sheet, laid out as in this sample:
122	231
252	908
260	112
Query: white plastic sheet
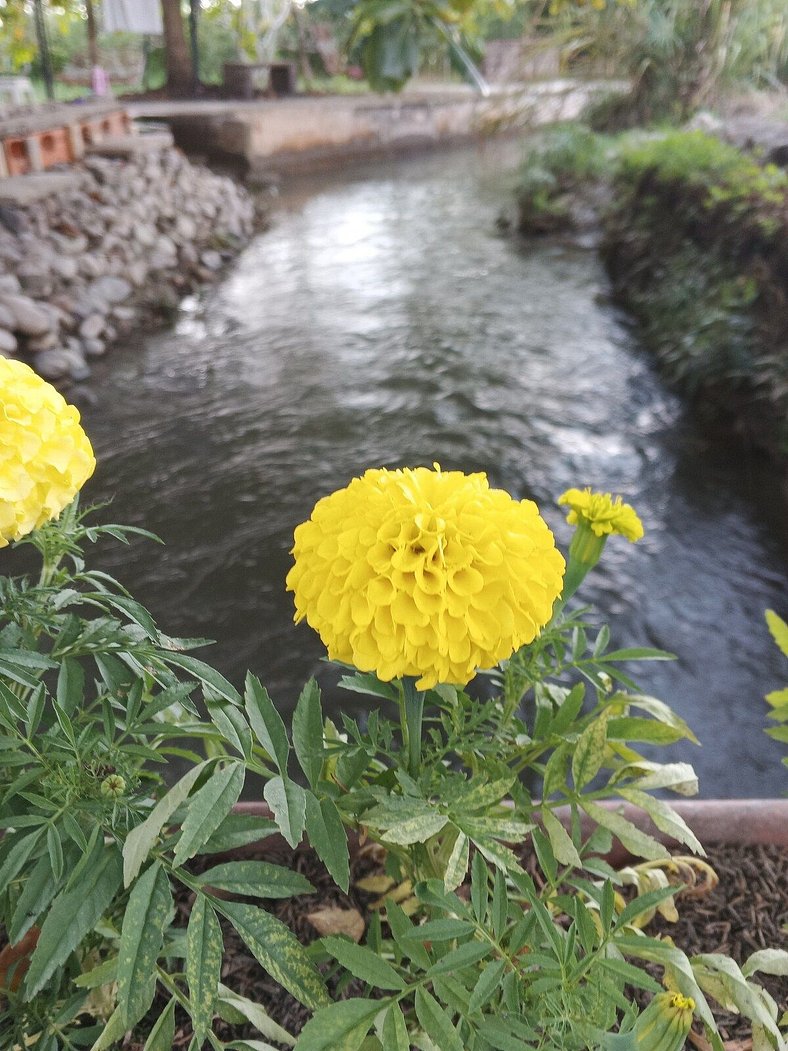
132	16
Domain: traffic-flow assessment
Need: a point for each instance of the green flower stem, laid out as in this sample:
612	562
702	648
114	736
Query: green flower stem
413	711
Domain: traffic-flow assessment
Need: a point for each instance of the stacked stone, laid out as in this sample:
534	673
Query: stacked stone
82	267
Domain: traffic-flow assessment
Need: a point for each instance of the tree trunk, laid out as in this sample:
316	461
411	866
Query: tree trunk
92	34
179	62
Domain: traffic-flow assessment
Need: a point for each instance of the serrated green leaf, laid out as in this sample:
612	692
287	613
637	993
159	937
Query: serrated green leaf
415	829
72	915
38	890
342	1026
266	722
287	801
255	1014
439	930
363	963
204	950
435	1022
162	1036
589	752
463	956
394	1033
111	1033
207	675
102	974
141	839
635	841
238	830
457	865
256	879
563	848
778	629
207	808
308	732
328	838
486	985
146	915
277	950
665	818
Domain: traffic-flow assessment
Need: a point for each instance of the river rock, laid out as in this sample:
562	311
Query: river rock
7	342
53	364
9	283
93	266
38	344
78	368
146	235
111	289
66	267
211	260
7	319
92	326
29	318
94	348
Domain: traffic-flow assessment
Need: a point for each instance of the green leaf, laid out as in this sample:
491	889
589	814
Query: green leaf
111	1033
328	838
463	956
231	724
207	675
589	752
254	1014
632	728
435	1022
204	950
266	722
415	829
55	849
394	1034
38	890
35	709
102	974
141	939
486	986
207	808
238	830
439	931
342	1026
287	801
635	841
256	879
665	818
73	914
141	839
768	961
162	1036
277	950
563	848
401	927
779	630
308	732
362	963
457	865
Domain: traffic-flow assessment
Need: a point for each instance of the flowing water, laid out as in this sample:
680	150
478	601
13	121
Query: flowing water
384	321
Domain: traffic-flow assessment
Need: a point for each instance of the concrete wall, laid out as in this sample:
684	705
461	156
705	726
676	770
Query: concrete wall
295	133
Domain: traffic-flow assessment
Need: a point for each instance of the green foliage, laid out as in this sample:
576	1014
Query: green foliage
778	699
707	287
560	164
467	952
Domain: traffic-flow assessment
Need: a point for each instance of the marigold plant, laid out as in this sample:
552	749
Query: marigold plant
45	456
424	573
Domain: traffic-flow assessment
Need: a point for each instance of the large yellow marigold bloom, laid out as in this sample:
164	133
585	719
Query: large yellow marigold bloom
45	456
426	573
602	514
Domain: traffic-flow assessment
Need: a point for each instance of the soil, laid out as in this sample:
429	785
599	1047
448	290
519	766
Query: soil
747	911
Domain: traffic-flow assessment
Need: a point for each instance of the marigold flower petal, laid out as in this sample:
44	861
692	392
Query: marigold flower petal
424	573
602	513
45	456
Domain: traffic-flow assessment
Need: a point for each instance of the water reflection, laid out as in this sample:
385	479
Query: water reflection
383	322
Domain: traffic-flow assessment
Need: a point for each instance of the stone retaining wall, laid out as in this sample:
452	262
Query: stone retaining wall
87	254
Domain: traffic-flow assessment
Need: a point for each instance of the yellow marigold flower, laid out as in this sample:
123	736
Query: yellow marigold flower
45	456
603	514
426	573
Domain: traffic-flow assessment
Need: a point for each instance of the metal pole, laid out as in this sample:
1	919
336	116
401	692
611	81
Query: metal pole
43	48
194	10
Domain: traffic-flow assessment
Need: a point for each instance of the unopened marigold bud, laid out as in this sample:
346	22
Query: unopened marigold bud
113	786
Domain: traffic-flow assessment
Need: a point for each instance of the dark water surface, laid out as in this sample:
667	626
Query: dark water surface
383	321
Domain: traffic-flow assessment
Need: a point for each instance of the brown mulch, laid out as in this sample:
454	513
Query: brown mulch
746	912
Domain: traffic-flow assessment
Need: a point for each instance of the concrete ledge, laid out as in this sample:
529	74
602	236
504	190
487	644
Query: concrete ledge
22	190
128	146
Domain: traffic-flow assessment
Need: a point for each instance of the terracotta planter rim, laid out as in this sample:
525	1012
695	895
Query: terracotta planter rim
737	822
